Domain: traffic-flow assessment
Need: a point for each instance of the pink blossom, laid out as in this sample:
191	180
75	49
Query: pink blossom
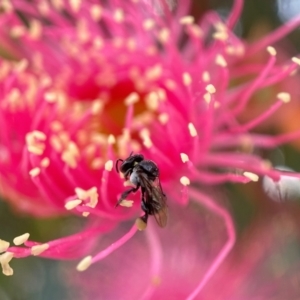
89	83
263	265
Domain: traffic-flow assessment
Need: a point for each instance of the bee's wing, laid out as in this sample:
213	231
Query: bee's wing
156	199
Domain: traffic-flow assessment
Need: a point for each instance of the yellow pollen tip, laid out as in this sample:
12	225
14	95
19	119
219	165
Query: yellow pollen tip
35	172
75	5
126	203
220	61
119	15
251	176
38	249
50	97
84	263
4	260
97	107
45	162
164	35
192	130
140	224
109	165
152	101
187	79
132	99
4	245
185	181
271	50
111	139
184	157
96	12
207	97
210	89
72	204
145	135
21	239
284	97
220	35
186	20
148	24
163	118
39	135
205	76
6	257
296	60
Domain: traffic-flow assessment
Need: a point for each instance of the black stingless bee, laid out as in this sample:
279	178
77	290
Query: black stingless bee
144	174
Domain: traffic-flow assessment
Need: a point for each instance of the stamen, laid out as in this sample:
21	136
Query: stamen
84	263
207	97
145	135
296	60
119	15
45	162
72	204
185	181
164	35
186	20
220	61
35	30
96	12
38	249
131	99
210	88
97	107
221	35
111	139
126	203
163	118
35	172
58	4
153	73
184	157
271	50
196	31
75	5
19	240
205	76
4	260
192	130
187	79
109	165
152	101
284	97
251	176
148	24
3	245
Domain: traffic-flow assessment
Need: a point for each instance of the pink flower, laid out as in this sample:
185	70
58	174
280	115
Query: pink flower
91	83
263	264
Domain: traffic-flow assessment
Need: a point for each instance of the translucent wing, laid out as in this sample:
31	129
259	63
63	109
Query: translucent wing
155	199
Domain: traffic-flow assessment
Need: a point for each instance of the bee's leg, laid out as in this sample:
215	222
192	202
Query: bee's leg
126	193
141	222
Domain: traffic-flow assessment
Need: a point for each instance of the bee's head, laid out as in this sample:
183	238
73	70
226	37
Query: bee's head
129	163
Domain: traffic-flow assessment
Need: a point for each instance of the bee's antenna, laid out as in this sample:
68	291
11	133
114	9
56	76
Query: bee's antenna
131	153
117	164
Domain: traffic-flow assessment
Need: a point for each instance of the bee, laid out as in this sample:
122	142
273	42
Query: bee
144	174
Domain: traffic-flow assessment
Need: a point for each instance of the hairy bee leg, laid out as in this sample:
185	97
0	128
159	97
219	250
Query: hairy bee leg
141	222
126	193
144	218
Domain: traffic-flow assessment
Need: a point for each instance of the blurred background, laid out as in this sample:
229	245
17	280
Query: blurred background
252	204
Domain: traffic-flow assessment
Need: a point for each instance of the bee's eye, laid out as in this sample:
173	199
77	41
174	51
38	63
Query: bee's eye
126	166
